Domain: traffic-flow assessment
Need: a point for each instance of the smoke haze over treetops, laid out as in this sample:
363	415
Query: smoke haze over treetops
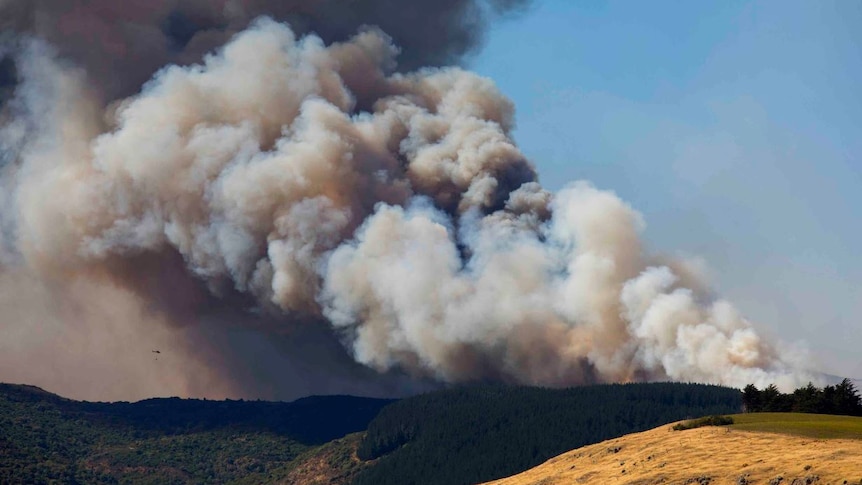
255	215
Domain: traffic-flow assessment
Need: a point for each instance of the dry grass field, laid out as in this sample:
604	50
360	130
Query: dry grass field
769	449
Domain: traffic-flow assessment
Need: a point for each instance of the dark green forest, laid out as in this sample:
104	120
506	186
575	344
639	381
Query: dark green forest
48	439
475	434
841	398
461	435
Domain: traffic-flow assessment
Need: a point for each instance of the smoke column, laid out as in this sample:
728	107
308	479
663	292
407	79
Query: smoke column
246	209
121	44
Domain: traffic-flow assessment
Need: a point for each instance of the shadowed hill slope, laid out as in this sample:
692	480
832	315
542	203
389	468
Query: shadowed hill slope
468	435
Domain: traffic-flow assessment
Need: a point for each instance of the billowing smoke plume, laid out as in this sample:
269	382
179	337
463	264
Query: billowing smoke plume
315	186
120	44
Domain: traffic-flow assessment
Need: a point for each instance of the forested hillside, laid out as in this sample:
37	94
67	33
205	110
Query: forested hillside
45	438
456	436
474	434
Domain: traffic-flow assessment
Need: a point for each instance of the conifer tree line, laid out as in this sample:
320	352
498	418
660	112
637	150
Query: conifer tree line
477	433
841	398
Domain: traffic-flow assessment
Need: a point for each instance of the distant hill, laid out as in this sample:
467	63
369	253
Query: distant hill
744	453
456	436
45	438
474	434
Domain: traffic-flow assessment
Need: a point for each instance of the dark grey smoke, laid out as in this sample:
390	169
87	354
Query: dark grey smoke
8	76
121	44
8	70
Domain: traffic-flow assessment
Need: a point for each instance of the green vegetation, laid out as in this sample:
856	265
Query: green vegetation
47	439
839	399
333	463
810	425
461	435
475	434
714	420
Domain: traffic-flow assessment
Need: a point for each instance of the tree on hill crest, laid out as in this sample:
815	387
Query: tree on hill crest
842	398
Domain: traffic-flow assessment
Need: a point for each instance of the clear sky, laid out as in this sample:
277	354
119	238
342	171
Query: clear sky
735	128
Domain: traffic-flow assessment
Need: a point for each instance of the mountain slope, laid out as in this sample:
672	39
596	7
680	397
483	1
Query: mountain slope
709	455
45	438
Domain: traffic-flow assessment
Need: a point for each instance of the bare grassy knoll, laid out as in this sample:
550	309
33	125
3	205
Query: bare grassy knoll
759	449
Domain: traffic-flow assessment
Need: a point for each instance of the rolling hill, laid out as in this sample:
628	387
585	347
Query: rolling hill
774	449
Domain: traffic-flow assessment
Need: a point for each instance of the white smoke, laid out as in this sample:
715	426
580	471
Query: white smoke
415	228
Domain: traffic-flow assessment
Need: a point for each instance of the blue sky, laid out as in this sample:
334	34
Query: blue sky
734	127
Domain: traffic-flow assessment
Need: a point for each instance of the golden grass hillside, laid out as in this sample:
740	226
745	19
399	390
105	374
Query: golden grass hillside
769	449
